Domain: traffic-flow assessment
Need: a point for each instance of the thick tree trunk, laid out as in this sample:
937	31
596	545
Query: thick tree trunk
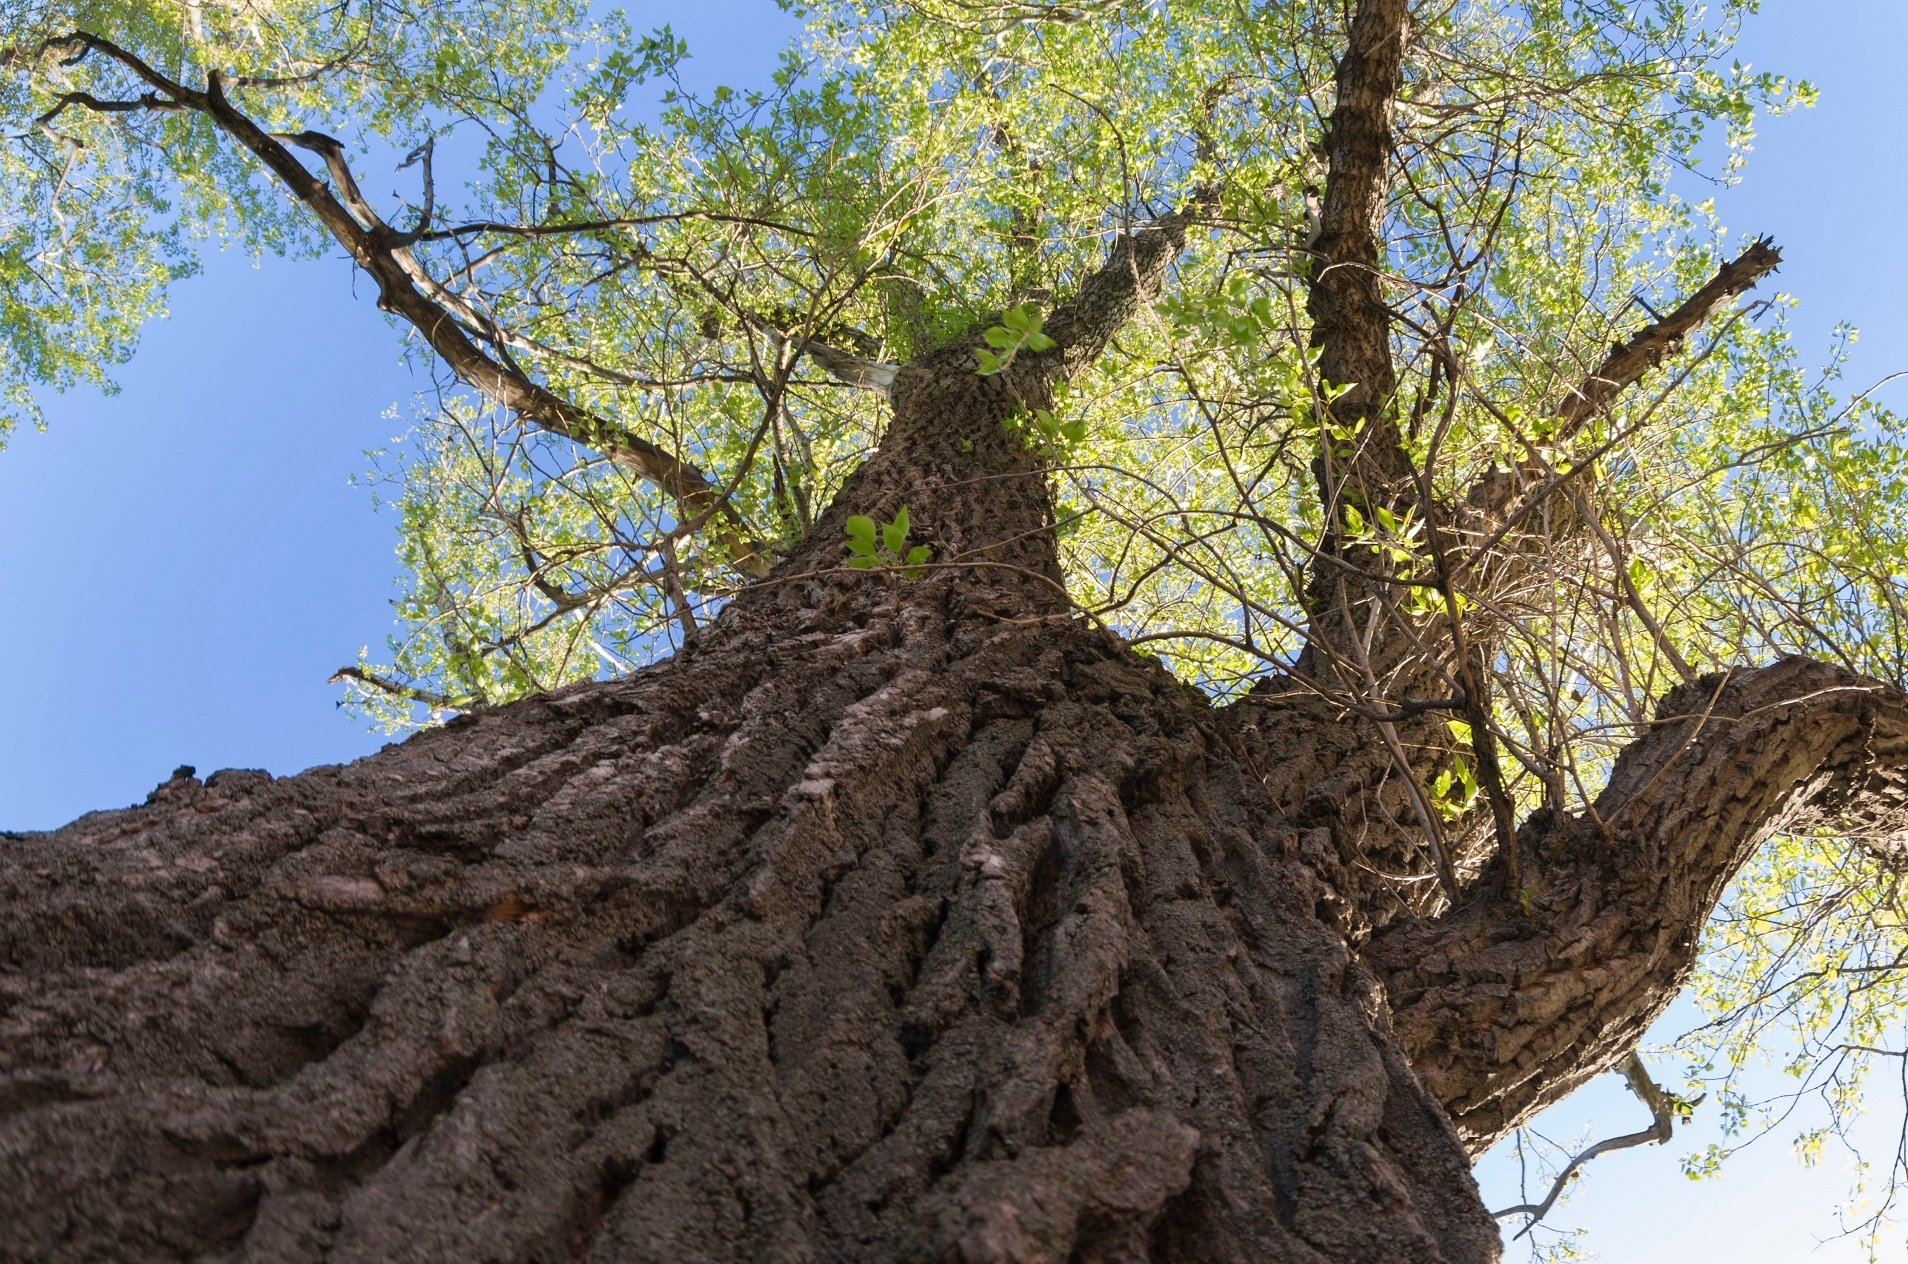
905	932
897	920
903	936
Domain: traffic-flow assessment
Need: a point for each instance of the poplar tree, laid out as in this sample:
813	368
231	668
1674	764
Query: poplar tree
1092	630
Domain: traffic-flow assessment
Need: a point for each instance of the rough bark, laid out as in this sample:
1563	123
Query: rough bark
1503	1010
895	920
902	936
1351	329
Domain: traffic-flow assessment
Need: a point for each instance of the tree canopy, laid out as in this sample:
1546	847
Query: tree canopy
662	327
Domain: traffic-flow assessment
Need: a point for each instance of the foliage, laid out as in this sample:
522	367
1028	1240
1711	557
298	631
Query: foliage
1019	330
885	545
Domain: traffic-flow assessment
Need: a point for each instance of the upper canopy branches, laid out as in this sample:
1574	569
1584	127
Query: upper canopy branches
698	288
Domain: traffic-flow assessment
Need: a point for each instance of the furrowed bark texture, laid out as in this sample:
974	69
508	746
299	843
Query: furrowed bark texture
897	920
1351	329
901	937
903	934
1502	1012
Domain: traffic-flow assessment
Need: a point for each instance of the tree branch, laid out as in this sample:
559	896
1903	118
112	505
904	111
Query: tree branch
1128	280
1499	502
1351	326
384	254
144	103
1350	322
844	366
397	689
405	290
502	228
1663	1110
1628	361
1492	504
1503	1012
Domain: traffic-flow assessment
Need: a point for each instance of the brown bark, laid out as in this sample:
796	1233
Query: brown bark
1631	359
901	936
1351	328
896	920
894	927
1503	1011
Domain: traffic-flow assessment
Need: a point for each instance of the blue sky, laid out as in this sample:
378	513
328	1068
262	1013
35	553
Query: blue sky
183	565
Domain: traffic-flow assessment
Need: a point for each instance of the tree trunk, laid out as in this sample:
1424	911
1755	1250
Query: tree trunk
899	919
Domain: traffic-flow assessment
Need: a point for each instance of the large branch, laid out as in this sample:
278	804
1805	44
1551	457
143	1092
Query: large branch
1628	361
1504	1009
384	254
1351	329
1112	294
1490	550
1351	324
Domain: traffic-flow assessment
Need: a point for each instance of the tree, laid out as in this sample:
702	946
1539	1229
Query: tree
909	911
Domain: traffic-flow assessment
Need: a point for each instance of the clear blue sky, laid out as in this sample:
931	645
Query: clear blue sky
182	565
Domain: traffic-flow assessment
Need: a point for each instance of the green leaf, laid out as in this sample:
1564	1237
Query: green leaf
861	531
1467	777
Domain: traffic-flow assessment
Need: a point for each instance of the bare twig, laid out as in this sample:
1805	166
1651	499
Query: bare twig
1663	1107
